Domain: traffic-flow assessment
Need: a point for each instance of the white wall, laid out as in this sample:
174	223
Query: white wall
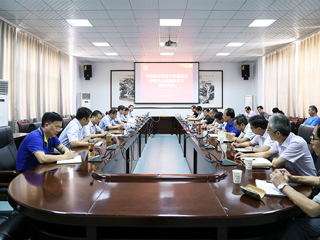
234	87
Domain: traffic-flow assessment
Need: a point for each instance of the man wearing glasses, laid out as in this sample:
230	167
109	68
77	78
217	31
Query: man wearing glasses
306	227
36	147
293	150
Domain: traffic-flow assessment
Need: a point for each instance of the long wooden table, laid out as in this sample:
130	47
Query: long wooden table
104	200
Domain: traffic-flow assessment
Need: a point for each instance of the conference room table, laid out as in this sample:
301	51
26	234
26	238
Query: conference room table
100	200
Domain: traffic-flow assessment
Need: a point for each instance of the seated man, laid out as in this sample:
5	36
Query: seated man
242	125
194	112
126	113
220	124
107	122
200	115
313	119
276	110
301	228
36	148
92	129
262	139
74	135
207	119
228	116
120	115
249	112
263	113
292	149
130	115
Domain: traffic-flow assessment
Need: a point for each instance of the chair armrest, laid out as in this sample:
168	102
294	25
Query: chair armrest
9	172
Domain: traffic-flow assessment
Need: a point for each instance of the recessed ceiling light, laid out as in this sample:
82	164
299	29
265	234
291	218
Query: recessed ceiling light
222	54
166	54
170	22
98	44
235	44
79	22
111	54
262	22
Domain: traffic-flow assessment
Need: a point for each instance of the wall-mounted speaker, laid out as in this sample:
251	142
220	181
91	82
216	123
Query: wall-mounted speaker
87	72
245	70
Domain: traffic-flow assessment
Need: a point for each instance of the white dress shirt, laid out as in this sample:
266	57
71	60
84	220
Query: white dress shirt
262	140
295	150
250	114
92	129
73	132
247	132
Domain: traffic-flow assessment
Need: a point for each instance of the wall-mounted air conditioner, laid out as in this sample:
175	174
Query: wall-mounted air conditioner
4	91
85	100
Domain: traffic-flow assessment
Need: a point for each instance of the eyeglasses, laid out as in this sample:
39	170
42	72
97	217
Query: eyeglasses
312	138
58	129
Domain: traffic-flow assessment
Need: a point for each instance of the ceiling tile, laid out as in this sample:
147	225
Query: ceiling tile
173	4
285	4
229	4
146	14
88	5
144	4
95	15
196	14
11	5
201	4
116	5
120	14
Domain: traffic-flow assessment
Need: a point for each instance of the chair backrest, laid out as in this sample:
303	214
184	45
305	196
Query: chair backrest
34	126
8	150
292	126
23	126
65	122
305	131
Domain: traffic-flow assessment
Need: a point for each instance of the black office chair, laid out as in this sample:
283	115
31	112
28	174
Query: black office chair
34	126
13	226
8	157
292	126
305	131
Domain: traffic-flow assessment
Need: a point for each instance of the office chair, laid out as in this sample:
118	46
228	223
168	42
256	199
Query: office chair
8	153
24	127
34	126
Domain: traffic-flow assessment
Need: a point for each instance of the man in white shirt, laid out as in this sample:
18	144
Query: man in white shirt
120	115
107	122
303	227
92	129
293	150
242	125
200	115
249	112
131	107
74	135
258	125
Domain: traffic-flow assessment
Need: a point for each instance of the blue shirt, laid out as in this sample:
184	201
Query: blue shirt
105	122
119	117
34	141
312	121
202	116
232	128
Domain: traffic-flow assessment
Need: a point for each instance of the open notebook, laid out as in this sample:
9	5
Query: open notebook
77	159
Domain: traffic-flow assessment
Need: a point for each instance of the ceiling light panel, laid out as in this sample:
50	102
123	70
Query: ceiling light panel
79	22
222	54
170	22
235	44
111	54
100	44
262	22
166	54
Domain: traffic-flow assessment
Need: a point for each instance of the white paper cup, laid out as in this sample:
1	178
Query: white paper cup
224	148
205	133
237	174
248	163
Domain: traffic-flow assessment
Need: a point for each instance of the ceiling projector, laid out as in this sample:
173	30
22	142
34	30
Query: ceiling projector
170	44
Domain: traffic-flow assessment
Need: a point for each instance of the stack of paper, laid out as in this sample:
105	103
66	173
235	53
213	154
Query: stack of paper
243	150
259	162
77	159
269	188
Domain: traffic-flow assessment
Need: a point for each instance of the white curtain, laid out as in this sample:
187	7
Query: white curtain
38	76
308	74
279	84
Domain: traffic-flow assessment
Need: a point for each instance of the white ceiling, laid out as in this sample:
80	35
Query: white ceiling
131	27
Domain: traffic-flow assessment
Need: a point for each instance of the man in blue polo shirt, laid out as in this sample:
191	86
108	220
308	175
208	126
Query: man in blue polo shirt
36	147
228	117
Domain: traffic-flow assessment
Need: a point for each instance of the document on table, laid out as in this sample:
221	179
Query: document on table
259	162
243	150
269	188
213	135
77	159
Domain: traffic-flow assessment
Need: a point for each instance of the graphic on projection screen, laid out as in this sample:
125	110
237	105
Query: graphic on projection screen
166	82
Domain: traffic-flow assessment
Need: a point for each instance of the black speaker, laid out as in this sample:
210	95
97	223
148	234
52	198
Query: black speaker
87	72
245	70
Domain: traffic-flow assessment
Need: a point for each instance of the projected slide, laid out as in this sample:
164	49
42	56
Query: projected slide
166	82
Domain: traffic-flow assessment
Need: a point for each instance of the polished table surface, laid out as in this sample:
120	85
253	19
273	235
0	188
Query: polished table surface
82	194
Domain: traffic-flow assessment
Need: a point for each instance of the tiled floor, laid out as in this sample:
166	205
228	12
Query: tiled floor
162	155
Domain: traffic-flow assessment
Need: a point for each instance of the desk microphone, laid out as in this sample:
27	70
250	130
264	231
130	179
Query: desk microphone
224	161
